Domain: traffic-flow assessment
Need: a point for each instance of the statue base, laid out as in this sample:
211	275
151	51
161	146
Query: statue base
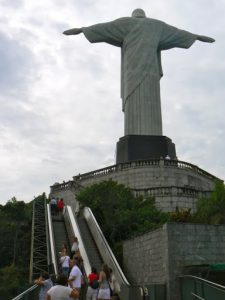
139	147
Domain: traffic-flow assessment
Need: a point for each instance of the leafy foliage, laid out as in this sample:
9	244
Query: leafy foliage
119	213
181	215
15	232
212	210
11	280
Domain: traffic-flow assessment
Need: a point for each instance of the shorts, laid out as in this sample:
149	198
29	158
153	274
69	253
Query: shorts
104	294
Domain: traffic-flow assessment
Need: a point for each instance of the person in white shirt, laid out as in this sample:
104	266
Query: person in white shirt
61	291
65	262
75	247
75	276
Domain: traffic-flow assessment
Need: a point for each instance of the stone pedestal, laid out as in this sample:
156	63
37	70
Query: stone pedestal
139	147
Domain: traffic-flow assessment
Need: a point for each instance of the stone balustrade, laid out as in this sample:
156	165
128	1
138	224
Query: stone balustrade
143	163
172	183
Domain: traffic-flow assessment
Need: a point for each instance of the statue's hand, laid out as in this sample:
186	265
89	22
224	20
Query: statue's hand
205	39
72	31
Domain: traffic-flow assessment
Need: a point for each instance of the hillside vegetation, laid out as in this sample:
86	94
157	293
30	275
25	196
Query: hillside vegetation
15	233
121	215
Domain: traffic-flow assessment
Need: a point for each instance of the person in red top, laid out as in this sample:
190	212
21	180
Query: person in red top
60	205
93	285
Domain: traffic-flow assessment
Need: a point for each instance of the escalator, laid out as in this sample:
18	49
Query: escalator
89	243
98	251
93	247
60	235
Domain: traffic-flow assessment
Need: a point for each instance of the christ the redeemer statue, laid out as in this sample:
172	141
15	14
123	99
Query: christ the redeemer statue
141	41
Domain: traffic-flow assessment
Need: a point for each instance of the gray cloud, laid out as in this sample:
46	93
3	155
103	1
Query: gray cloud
15	65
60	96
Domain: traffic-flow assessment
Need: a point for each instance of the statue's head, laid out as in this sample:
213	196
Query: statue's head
138	13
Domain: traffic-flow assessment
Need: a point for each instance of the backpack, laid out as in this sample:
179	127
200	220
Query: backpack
95	284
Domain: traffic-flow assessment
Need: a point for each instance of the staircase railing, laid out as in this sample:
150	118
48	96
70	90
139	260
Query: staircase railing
30	293
51	240
200	289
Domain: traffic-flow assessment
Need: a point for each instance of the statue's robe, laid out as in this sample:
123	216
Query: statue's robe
141	41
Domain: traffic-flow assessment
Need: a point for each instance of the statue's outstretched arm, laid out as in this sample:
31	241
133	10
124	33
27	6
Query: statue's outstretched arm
73	31
205	39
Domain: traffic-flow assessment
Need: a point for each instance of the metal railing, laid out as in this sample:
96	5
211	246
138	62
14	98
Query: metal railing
51	240
193	287
76	232
30	294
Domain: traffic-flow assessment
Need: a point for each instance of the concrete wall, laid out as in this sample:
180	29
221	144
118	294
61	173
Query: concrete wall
159	256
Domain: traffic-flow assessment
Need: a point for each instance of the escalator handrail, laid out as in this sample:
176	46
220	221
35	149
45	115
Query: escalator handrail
33	287
76	232
51	239
88	213
216	285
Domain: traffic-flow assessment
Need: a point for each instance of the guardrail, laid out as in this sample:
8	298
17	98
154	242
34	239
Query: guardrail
51	240
30	293
69	214
193	287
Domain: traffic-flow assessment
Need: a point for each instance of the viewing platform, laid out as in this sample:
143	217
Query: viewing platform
172	183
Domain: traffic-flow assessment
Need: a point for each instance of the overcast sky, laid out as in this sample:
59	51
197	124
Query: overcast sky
60	106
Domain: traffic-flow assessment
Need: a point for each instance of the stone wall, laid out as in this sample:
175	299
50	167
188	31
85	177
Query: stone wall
67	191
145	258
160	256
172	183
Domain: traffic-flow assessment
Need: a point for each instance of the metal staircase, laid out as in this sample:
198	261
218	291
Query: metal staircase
39	243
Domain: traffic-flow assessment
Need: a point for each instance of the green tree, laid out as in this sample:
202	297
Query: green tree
11	279
15	232
212	210
119	213
17	215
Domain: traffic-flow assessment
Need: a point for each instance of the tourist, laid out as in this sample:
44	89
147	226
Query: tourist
75	247
53	205
60	205
104	288
75	277
61	291
114	284
64	263
45	283
93	285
